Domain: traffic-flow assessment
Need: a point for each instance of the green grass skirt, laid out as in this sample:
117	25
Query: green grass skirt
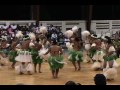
55	62
75	56
35	57
92	52
12	54
110	58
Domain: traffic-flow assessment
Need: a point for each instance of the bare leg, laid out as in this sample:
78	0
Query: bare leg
111	64
29	73
20	69
87	57
57	71
13	64
78	65
35	65
40	68
53	73
105	64
74	65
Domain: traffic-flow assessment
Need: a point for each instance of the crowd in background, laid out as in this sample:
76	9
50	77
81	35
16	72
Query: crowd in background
8	32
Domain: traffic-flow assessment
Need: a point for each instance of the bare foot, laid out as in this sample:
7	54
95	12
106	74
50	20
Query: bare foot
53	77
88	61
56	76
93	61
46	61
2	65
75	69
101	69
21	73
29	73
35	71
12	67
110	79
40	72
79	69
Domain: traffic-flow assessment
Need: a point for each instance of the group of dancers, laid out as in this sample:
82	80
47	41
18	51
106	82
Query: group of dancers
31	50
99	50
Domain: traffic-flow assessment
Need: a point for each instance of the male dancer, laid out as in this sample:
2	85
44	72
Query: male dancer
55	60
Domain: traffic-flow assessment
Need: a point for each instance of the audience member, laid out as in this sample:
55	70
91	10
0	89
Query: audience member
72	83
100	79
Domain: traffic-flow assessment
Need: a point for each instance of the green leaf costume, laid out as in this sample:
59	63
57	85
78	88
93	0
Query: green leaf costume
35	56
75	56
12	55
56	62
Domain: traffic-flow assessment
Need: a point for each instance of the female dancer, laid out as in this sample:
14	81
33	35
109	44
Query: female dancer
34	49
75	54
109	71
13	53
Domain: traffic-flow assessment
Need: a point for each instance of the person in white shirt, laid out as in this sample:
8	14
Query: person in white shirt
54	36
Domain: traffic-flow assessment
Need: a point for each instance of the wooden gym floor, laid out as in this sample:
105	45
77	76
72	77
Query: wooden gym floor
85	76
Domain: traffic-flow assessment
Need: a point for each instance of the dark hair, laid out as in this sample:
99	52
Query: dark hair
78	84
20	84
107	37
94	35
77	39
54	42
70	83
109	41
37	39
100	79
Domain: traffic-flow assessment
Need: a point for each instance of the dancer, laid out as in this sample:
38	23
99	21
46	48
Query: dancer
98	56
4	50
4	47
92	50
75	54
117	47
13	53
35	47
55	60
24	57
86	39
109	71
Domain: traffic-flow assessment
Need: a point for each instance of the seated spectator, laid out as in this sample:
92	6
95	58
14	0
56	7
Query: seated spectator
100	79
54	36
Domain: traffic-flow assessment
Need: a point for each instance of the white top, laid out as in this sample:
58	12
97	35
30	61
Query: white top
111	48
13	26
93	45
54	36
103	46
5	27
67	40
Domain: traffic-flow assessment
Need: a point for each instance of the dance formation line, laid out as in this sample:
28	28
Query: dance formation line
99	50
